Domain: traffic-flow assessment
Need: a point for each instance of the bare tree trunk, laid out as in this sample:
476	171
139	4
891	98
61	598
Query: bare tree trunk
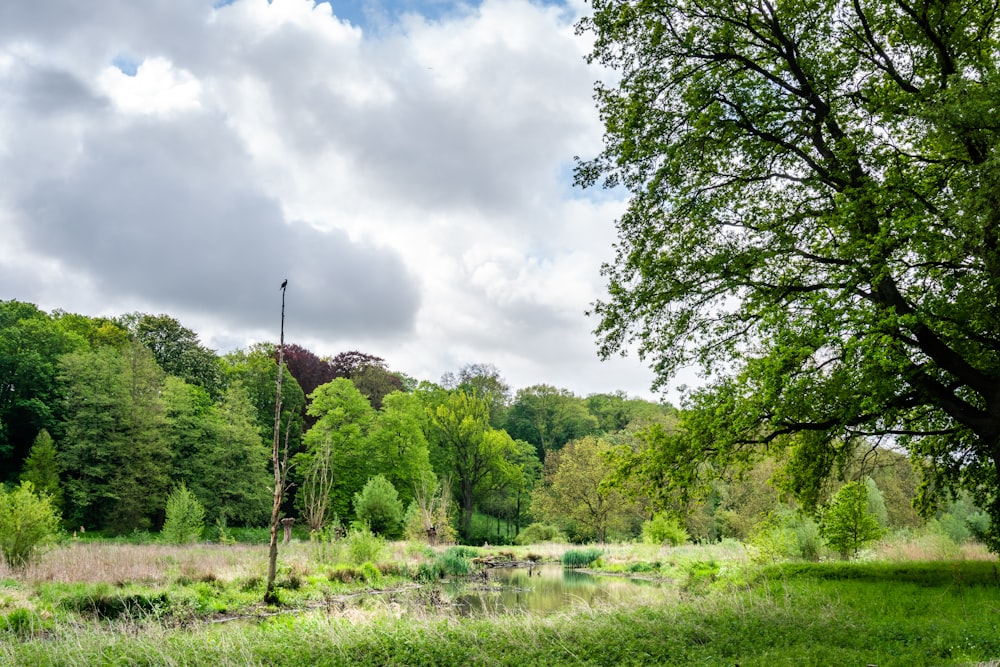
270	596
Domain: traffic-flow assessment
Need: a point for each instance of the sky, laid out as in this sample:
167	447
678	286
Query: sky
406	165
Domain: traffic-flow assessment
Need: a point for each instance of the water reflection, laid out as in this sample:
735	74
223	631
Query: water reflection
542	590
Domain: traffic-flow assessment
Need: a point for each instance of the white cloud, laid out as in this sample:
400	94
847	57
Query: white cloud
156	88
411	182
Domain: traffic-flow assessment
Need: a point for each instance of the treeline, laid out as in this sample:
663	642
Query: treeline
108	415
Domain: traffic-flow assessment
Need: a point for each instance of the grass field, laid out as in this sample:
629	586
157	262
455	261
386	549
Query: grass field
145	604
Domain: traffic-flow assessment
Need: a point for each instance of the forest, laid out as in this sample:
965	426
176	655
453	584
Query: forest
108	416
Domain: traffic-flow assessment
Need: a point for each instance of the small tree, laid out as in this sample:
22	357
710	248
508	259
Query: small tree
379	506
41	468
185	517
847	523
28	523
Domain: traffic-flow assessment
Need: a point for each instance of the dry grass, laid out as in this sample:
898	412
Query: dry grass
84	562
930	547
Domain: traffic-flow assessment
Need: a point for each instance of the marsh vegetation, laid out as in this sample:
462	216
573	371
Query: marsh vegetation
104	602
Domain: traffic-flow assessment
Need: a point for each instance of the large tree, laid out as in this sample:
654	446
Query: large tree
30	346
814	220
176	349
573	496
548	417
477	454
113	451
338	458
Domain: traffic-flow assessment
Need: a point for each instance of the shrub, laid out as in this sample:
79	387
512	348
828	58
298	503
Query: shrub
379	506
185	517
580	557
772	540
363	545
370	572
664	529
540	532
28	523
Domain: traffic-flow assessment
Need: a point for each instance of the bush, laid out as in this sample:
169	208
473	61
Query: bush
379	506
185	517
363	545
28	523
664	529
580	557
540	532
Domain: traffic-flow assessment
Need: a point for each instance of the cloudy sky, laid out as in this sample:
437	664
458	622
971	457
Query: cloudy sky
406	164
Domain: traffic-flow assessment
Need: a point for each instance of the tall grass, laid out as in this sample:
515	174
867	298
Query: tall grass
775	620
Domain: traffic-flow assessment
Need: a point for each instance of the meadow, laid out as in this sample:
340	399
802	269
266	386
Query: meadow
364	602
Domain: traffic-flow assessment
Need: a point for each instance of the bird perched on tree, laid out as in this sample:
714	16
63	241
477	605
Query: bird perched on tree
284	283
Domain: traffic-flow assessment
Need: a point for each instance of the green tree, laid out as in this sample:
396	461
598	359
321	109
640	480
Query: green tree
176	349
256	370
185	517
812	221
548	417
573	496
41	468
847	524
113	452
30	346
472	449
378	505
337	443
28	522
486	382
398	444
217	451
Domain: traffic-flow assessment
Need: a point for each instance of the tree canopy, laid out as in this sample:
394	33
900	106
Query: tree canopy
813	221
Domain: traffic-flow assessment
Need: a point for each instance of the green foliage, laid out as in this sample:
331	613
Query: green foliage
338	452
479	454
847	524
537	533
41	468
664	529
455	561
699	575
217	451
574	492
962	521
399	445
811	222
28	523
580	557
31	343
363	545
185	517
114	455
176	349
548	418
428	516
772	541
378	505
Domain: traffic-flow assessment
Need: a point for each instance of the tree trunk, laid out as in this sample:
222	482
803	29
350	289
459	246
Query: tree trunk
270	595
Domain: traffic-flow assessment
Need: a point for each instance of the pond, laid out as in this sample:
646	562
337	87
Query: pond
542	590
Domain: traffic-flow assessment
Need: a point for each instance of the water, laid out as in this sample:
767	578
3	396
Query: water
542	590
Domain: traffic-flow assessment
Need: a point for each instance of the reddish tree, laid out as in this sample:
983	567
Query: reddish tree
309	370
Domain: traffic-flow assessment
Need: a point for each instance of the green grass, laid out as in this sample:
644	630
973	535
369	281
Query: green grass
798	617
721	611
